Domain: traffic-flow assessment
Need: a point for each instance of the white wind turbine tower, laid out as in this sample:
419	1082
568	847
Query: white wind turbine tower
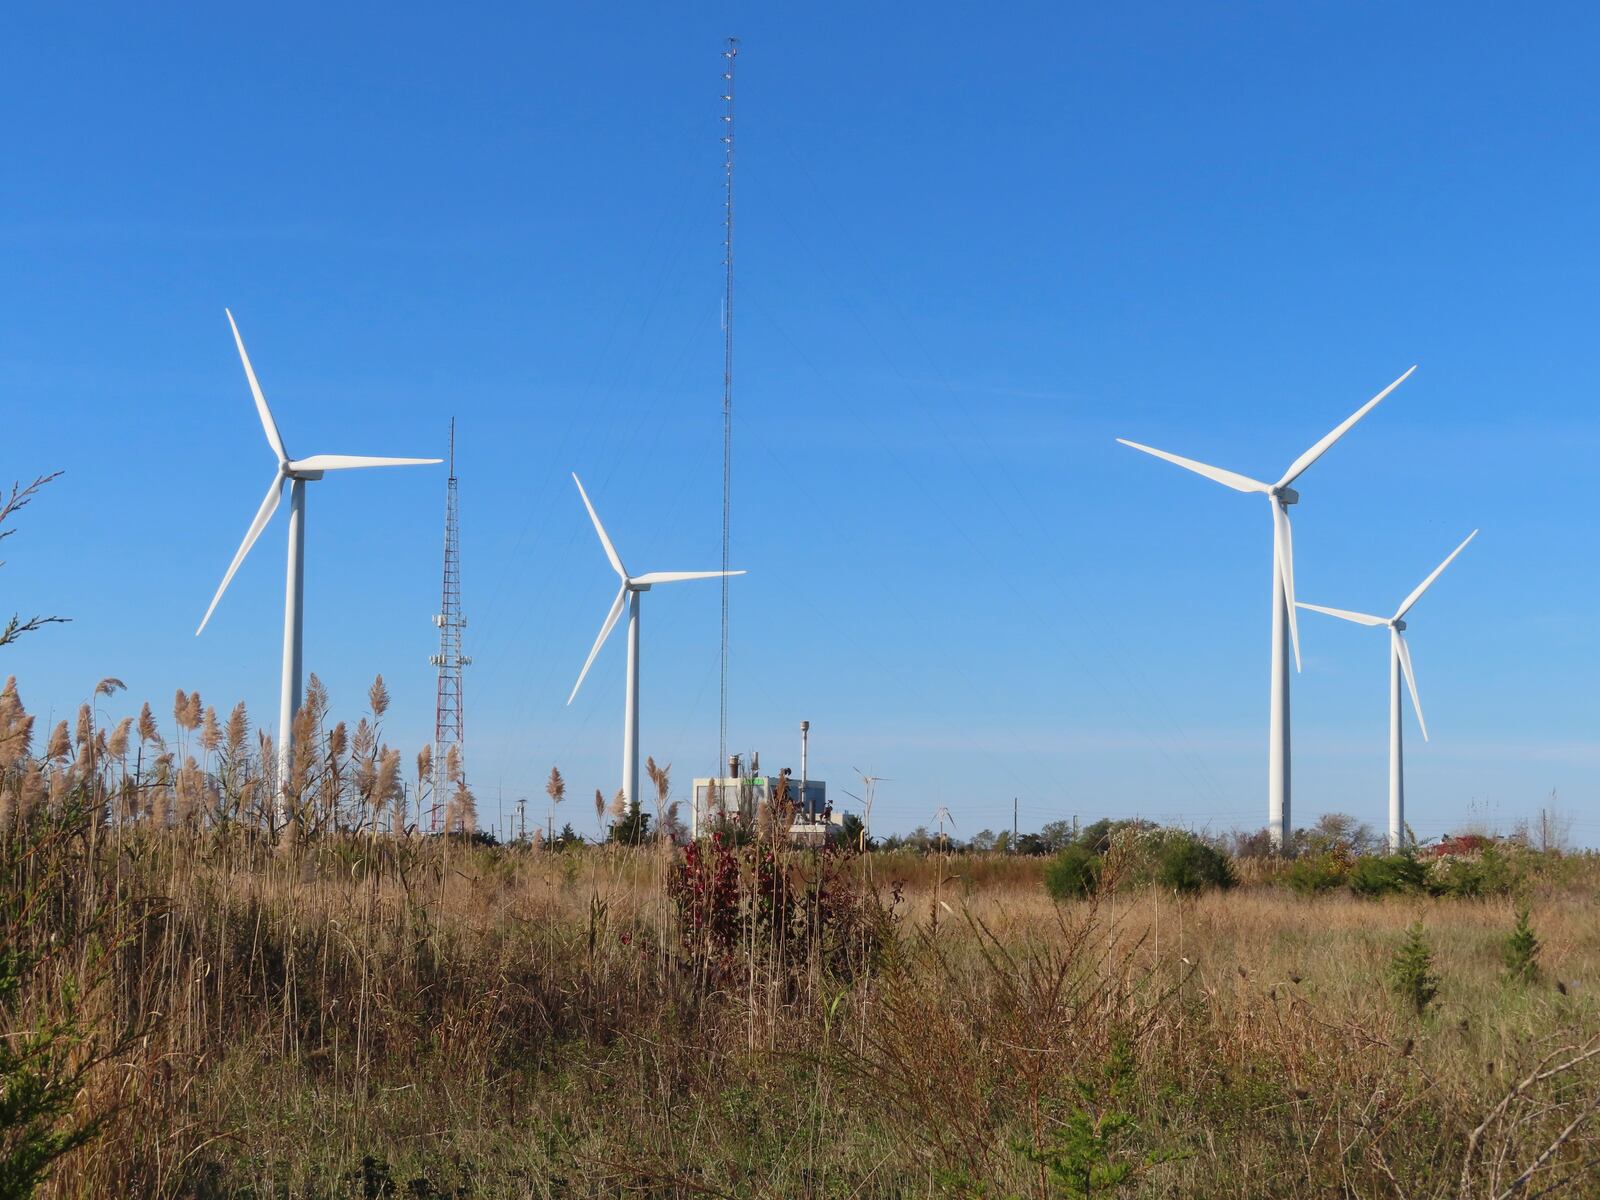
1284	629
1399	663
870	786
297	473
632	586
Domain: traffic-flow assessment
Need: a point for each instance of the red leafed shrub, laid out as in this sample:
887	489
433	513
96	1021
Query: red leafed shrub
1462	843
705	889
784	909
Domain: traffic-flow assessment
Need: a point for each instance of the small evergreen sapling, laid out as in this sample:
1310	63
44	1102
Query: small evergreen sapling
1090	1151
1411	972
1521	953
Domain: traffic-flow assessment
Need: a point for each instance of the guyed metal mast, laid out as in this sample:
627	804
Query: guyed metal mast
729	53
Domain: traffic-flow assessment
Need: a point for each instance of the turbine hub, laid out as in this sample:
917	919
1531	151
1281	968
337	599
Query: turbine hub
1398	626
638	587
1286	496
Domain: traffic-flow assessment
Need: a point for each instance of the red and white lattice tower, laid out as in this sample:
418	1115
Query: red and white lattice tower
448	729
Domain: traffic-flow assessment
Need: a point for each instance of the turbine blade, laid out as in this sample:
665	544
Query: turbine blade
1344	614
1283	551
262	411
1239	483
1405	606
605	632
677	576
1317	451
611	551
263	515
345	462
1404	653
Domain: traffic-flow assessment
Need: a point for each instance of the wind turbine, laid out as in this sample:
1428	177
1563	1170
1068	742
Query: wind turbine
870	786
297	473
632	586
1285	632
1399	663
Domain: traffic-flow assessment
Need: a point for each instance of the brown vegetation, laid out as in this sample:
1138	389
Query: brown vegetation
373	1014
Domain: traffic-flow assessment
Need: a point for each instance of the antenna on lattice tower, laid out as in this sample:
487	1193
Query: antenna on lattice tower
448	722
729	53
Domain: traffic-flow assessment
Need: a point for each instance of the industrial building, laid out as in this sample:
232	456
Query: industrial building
744	794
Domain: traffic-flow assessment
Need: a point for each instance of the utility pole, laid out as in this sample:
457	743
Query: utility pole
1013	824
729	53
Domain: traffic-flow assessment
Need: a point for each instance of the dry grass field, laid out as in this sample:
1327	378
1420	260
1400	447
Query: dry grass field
354	1013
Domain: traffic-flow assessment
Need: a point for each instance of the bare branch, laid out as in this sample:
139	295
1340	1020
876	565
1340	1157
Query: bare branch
1539	1074
1521	1181
16	627
19	499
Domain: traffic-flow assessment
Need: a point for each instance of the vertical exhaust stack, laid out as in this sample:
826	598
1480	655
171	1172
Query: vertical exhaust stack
805	737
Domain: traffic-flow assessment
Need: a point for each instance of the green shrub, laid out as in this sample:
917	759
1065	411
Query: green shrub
1318	873
632	828
852	833
1492	872
1097	836
38	1092
1188	866
1386	875
1092	1149
1521	952
1411	971
47	1055
1073	873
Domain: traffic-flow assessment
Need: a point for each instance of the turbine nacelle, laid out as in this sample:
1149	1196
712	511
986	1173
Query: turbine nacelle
300	470
1397	626
1279	494
632	585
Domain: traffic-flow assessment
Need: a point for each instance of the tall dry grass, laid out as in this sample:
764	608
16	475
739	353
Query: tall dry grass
367	1013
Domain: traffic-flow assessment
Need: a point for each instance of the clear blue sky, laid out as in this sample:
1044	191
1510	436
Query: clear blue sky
974	247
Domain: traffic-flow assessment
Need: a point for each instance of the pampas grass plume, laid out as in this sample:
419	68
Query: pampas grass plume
378	697
147	725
